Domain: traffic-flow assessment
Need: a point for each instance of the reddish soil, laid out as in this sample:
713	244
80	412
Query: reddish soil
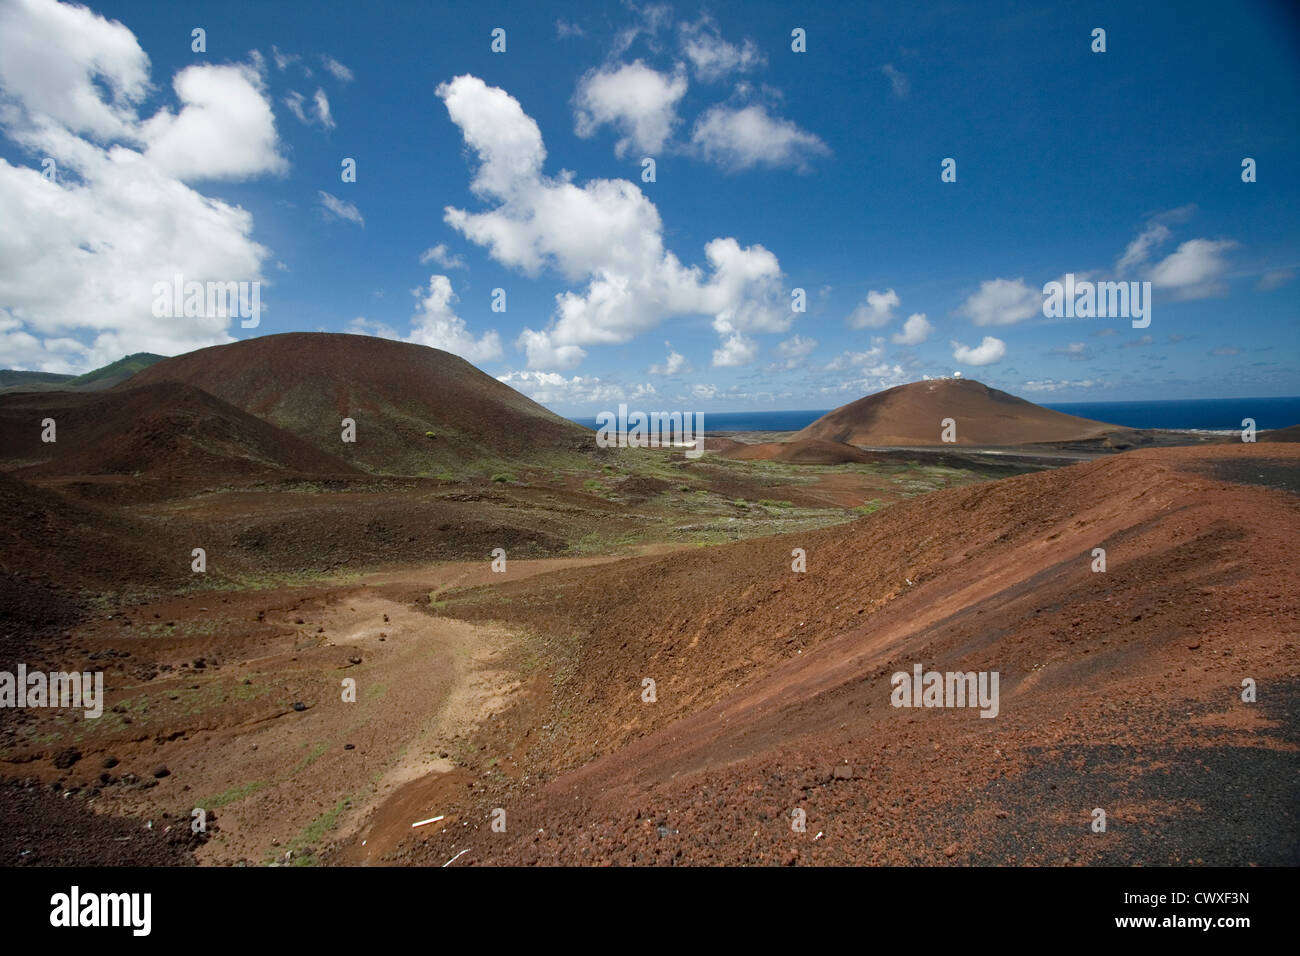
1119	690
57	554
238	697
912	415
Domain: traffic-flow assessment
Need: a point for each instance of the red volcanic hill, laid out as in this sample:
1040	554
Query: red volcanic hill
417	410
912	415
162	429
774	688
59	554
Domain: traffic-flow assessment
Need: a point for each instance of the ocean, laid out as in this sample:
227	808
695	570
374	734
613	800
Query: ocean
1200	414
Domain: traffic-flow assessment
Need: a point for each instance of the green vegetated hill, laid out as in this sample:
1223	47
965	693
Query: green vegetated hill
13	380
119	371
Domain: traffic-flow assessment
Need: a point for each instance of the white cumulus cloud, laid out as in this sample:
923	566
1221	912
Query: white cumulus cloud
641	103
736	350
441	255
711	56
554	389
742	138
606	234
225	129
989	351
876	310
794	351
674	364
1002	302
80	255
916	330
1195	270
58	60
437	325
850	360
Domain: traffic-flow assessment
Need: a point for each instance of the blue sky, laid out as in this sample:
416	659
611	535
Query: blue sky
775	170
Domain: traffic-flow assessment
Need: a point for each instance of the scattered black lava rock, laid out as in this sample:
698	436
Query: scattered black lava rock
66	758
41	827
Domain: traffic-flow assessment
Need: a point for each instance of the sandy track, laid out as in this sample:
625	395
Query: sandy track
280	779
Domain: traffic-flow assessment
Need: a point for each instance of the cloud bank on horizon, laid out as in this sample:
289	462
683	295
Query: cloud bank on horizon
741	208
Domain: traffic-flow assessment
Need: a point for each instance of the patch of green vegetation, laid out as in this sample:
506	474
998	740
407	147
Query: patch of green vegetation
215	692
316	752
312	834
665	463
602	542
190	628
562	653
268	581
465	752
121	369
529	662
871	507
769	503
233	795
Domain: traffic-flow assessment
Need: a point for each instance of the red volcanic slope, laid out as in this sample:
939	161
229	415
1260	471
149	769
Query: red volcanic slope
913	415
161	429
58	554
1124	683
396	392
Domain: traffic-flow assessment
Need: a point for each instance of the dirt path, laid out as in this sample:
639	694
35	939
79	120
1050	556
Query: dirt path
288	715
422	687
481	685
